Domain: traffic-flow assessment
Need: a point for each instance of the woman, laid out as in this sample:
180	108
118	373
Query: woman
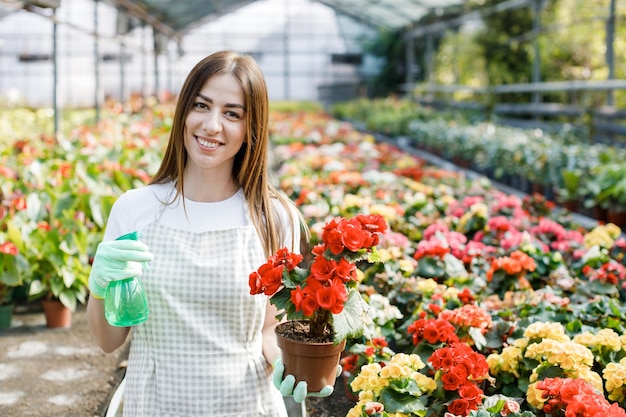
208	218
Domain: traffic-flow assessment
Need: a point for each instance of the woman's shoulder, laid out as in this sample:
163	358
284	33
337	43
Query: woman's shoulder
135	208
147	194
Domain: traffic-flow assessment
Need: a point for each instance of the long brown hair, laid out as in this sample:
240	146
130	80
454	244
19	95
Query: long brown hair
250	169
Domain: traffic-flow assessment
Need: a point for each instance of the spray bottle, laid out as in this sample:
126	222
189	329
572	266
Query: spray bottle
125	301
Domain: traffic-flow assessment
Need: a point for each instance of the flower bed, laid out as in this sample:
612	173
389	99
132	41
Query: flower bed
468	271
534	300
566	167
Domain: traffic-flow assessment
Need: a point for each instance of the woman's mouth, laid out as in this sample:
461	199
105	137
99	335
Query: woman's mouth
208	144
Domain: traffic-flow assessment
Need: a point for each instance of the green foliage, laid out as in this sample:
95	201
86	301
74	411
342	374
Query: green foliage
508	60
390	47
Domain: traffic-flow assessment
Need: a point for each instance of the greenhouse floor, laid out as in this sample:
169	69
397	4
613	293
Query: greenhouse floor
61	372
55	372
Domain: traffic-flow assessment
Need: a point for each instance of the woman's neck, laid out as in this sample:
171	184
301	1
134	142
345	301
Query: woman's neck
209	190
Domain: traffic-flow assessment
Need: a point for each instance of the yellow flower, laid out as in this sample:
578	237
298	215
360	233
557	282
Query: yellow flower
447	199
602	235
351	200
480	209
507	361
451	293
605	338
566	355
521	343
368	378
551	330
588	375
613	230
366	396
615	376
388	212
385	255
424	383
394	371
406	265
373	378
355	411
535	396
426	286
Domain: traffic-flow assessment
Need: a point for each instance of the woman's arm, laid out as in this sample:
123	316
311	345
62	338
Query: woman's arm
108	337
271	351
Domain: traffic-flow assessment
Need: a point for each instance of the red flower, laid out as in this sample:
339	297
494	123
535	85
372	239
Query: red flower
453	379
575	397
321	291
304	300
323	269
8	248
433	331
285	257
331	297
459	407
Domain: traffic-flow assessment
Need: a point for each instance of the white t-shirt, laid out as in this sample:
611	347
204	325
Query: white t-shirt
137	208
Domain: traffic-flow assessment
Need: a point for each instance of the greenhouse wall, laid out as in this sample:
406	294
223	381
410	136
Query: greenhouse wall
295	53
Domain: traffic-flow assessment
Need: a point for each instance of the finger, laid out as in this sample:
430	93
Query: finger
277	375
122	271
324	392
286	387
299	394
126	250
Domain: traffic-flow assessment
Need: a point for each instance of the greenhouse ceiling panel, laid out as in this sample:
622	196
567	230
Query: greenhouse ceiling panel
391	14
175	17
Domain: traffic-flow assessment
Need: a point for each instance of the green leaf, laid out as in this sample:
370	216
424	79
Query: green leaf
96	210
400	402
350	322
429	268
374	256
68	299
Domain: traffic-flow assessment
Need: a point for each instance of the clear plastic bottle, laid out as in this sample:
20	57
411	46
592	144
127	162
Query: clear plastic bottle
125	301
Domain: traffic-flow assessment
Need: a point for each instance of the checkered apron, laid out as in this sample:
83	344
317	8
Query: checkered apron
199	352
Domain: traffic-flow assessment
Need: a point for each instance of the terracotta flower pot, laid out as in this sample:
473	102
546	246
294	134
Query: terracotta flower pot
315	363
57	315
617	216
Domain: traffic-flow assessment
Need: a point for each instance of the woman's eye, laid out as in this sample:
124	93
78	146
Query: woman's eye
200	105
233	114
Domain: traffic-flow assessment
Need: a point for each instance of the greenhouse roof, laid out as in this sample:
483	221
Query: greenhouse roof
391	14
175	17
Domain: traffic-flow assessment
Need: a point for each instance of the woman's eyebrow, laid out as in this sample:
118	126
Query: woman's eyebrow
205	98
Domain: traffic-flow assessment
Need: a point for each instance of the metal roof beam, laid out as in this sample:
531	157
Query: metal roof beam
355	14
442	26
135	10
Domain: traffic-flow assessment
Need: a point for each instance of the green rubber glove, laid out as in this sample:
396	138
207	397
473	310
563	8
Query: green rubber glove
299	392
115	260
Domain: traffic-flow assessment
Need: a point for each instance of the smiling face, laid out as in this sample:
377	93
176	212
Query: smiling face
215	127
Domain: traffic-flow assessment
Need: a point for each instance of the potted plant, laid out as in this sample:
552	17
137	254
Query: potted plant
321	301
570	190
56	244
12	265
59	262
607	188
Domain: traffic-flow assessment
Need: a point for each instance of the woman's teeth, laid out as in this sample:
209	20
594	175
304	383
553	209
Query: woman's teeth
208	144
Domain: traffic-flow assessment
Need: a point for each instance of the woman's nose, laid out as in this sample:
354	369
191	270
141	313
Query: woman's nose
211	122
